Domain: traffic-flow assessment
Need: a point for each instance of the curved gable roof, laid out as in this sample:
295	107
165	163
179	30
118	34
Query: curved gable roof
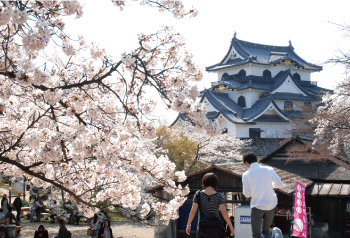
236	114
262	54
258	109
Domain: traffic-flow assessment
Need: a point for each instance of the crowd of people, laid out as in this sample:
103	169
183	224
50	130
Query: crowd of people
101	227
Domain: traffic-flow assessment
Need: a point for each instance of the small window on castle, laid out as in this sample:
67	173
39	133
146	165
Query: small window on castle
288	105
241	101
224	76
296	76
267	73
255	133
242	73
307	105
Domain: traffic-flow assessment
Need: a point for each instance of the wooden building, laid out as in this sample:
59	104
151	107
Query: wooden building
329	195
230	184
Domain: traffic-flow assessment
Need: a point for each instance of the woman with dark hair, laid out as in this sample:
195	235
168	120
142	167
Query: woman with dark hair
106	230
95	225
41	232
210	204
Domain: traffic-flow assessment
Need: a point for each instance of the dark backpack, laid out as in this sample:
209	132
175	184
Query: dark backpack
210	230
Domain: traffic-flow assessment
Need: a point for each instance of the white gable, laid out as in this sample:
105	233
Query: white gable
288	86
208	105
271	109
233	55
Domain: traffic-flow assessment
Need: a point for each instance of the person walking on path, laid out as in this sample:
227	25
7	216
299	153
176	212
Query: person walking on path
41	232
258	184
17	204
4	203
106	230
210	204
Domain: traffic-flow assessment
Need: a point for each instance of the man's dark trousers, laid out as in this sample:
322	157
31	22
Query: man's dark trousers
261	221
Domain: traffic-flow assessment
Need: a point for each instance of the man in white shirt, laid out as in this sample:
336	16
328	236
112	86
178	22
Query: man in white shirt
258	183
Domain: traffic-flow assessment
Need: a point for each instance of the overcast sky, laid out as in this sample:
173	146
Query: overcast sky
308	24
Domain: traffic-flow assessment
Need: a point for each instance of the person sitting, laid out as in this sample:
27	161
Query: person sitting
2	215
53	213
52	217
63	232
41	232
12	218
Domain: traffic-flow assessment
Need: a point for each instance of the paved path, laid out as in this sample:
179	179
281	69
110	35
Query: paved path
123	229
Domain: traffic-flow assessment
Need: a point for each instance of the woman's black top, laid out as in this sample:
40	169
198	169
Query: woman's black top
209	207
44	234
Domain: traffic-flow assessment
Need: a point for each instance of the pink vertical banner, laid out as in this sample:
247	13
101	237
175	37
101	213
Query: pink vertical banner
299	227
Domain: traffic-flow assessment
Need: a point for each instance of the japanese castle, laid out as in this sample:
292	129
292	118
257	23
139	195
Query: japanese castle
260	89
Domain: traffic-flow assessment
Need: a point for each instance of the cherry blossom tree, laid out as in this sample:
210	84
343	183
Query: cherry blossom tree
333	124
332	119
74	118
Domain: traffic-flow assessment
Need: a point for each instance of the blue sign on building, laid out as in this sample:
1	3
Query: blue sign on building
244	219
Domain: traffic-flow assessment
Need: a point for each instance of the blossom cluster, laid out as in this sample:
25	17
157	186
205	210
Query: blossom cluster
332	122
80	123
176	7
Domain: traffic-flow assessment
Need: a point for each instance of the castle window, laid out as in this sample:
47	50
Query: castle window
224	76
307	105
242	73
288	105
296	76
241	101
267	73
254	133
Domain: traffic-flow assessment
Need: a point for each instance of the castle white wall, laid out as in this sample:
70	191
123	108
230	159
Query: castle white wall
231	128
208	106
297	105
257	70
271	130
288	86
251	96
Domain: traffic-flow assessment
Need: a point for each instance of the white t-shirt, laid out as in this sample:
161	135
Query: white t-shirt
258	183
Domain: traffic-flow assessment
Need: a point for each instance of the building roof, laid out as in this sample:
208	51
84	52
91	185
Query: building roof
236	114
248	52
289	96
237	82
329	189
180	117
287	178
316	170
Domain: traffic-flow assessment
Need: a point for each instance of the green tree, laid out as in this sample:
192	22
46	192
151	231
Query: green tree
179	148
